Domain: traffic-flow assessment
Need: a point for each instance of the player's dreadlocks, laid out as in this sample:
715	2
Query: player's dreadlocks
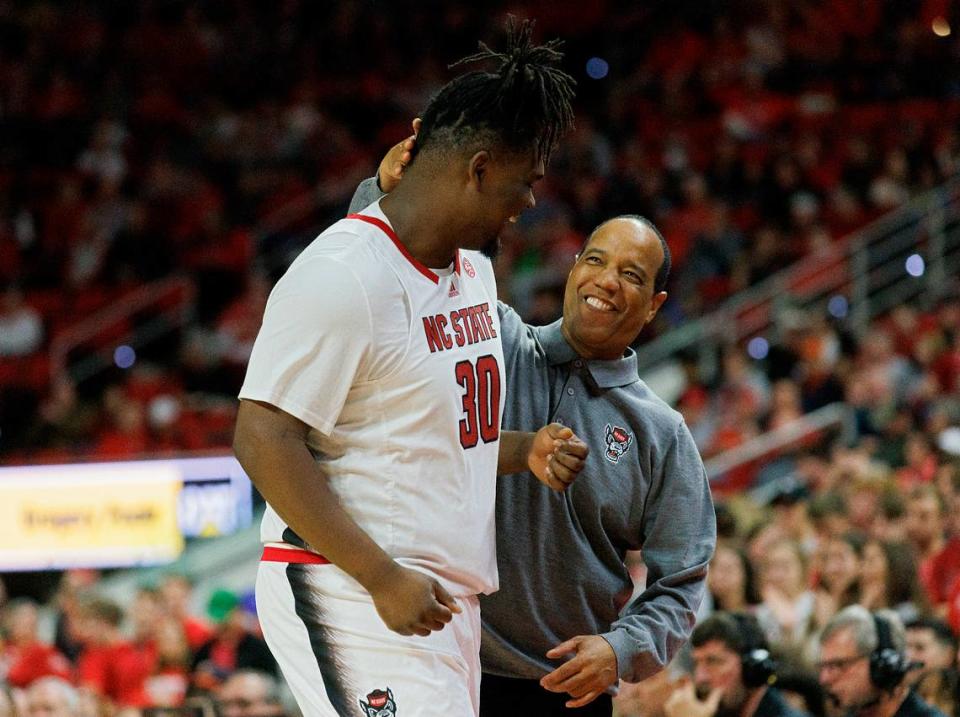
525	101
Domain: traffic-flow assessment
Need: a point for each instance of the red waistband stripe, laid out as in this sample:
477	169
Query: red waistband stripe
273	554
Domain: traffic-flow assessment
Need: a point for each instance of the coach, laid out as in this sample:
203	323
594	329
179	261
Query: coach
563	629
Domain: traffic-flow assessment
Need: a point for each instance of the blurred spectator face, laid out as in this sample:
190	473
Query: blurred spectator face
841	566
924	521
845	672
874	567
863	505
716	666
175	592
783	569
21	622
171	641
145	614
247	694
51	697
727	578
923	646
792	515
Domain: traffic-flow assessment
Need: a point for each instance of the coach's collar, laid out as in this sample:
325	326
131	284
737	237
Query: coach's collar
606	373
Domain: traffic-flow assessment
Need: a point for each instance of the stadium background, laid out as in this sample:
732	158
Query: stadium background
162	162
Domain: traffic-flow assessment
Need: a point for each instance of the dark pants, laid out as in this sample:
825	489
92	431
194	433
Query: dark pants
508	697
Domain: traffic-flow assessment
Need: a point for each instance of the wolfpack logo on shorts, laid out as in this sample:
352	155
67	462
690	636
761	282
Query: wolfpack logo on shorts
618	441
379	704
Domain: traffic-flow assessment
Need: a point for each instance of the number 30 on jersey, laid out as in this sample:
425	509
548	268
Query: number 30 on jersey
481	400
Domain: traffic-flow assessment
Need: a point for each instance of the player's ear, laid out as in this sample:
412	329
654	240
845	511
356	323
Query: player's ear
477	168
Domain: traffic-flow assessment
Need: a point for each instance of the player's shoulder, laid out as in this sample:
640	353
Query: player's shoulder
351	247
345	240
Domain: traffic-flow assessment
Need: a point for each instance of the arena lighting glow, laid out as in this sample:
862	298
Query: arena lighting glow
940	27
124	356
597	68
758	348
915	265
838	306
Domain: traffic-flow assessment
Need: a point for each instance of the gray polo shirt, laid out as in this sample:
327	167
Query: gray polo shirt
561	556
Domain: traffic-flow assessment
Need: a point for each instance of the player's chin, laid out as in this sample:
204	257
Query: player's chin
491	248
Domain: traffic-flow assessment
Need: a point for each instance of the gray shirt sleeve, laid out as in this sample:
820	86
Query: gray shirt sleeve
368	191
680	534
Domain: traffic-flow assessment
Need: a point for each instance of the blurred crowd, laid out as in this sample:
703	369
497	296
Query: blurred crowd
863	513
146	140
150	656
210	141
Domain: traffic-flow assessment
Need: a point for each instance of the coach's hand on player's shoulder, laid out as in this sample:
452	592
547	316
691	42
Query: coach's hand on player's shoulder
396	160
589	672
412	603
557	456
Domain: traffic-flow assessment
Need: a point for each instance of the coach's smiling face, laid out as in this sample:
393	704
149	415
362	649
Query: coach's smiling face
609	295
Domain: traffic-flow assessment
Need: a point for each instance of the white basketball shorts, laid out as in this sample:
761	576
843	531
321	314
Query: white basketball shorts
340	660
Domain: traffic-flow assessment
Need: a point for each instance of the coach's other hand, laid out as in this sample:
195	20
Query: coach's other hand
556	456
412	603
590	671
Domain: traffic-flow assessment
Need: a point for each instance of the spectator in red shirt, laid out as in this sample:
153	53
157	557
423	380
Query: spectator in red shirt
939	558
25	658
921	461
111	666
168	684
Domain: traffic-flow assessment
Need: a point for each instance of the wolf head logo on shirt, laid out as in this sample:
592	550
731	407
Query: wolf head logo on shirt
618	441
379	704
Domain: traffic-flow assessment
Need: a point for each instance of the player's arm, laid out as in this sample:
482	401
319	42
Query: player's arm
271	445
553	454
314	344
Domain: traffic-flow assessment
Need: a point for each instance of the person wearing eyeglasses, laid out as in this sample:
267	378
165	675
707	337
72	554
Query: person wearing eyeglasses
863	665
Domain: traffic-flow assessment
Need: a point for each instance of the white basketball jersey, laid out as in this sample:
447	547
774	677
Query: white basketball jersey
398	371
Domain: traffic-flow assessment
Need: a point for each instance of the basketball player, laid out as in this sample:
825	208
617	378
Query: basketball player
370	418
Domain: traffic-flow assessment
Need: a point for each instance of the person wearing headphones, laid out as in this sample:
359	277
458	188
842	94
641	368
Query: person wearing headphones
733	673
863	665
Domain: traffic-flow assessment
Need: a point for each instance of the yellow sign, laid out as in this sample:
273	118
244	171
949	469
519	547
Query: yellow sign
96	515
